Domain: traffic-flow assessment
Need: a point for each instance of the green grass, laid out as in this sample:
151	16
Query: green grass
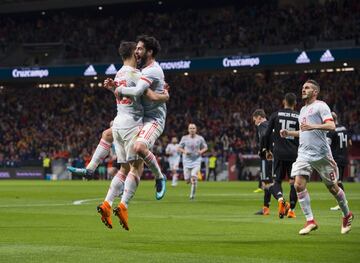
39	223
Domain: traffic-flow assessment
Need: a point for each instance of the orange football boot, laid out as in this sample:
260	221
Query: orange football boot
104	210
122	213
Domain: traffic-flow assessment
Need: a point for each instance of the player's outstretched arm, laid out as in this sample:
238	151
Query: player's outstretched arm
136	91
327	126
286	133
203	150
158	97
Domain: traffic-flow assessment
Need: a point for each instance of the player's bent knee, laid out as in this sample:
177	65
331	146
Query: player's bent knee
299	187
107	135
334	189
139	147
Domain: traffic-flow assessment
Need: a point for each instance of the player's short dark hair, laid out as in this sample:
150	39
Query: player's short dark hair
150	43
290	98
259	112
126	49
315	83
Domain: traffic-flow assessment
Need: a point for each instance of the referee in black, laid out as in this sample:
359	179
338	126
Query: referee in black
339	141
284	152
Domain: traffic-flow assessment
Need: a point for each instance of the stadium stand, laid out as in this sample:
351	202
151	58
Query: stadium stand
70	120
234	28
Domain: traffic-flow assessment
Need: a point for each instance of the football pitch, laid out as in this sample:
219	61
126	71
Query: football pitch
39	222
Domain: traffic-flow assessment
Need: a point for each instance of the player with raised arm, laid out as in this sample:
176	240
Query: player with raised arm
284	152
173	159
154	112
314	153
192	147
339	141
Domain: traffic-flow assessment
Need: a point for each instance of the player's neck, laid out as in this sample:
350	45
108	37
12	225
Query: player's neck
130	63
192	135
149	62
310	101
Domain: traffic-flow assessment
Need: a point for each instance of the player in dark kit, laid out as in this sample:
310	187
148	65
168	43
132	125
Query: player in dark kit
284	152
259	119
339	141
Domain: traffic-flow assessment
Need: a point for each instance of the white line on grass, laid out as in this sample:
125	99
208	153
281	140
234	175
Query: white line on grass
76	202
80	202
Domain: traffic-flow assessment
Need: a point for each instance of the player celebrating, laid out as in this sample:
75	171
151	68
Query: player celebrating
284	151
173	159
192	147
339	143
126	126
314	153
154	112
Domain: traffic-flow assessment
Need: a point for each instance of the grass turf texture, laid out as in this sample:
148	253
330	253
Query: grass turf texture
39	223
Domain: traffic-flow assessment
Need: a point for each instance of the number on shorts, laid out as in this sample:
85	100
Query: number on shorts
332	176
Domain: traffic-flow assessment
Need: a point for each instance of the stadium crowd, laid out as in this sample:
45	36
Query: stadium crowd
67	122
231	26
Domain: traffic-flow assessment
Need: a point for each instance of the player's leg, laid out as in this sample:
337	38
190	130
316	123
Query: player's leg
341	176
131	184
117	183
340	184
293	199
101	151
187	174
116	188
328	171
146	139
266	178
193	181
276	188
133	177
301	171
174	167
292	196
278	177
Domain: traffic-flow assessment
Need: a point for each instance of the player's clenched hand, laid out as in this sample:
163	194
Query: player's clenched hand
166	86
109	84
284	133
269	155
167	95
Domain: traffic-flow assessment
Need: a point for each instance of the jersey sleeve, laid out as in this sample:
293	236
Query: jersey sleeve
266	141
203	144
325	112
134	91
150	75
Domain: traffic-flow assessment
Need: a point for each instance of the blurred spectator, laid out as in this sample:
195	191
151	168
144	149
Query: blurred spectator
185	30
67	122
